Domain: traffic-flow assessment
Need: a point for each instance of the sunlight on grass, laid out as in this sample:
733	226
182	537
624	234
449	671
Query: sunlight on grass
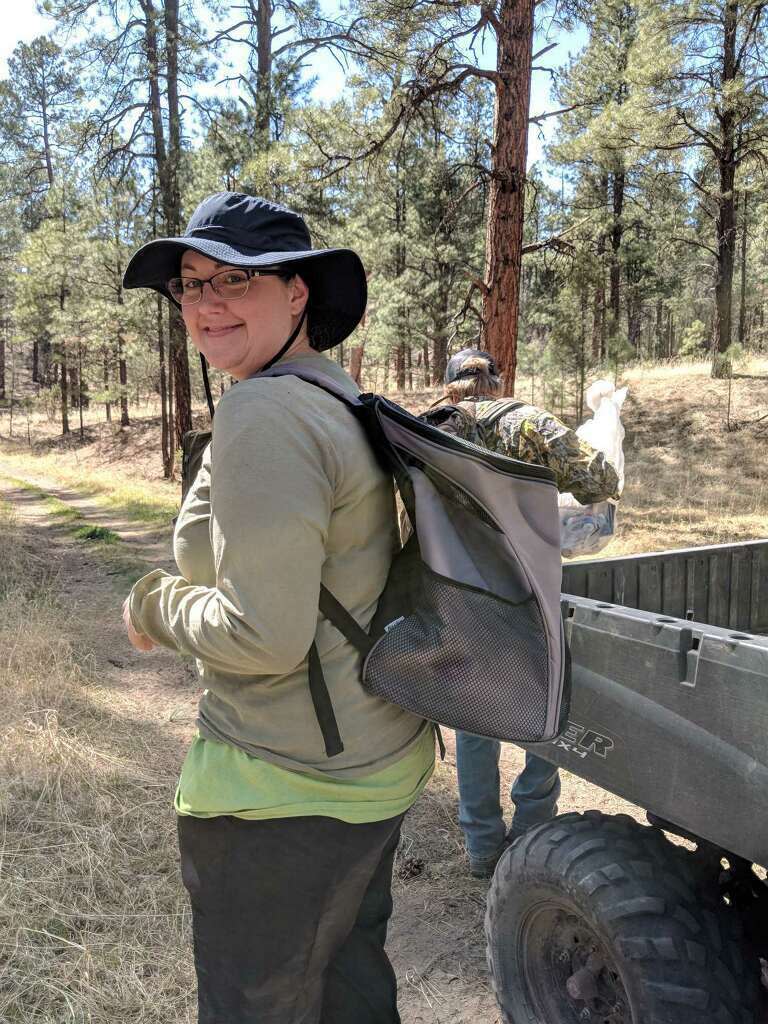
94	918
136	500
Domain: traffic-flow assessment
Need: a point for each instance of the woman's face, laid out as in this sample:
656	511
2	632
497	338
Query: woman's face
239	336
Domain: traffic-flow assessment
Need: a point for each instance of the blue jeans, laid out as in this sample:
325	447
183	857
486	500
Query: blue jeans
534	793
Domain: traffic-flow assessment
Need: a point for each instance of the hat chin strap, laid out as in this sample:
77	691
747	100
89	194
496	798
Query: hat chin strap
291	338
278	355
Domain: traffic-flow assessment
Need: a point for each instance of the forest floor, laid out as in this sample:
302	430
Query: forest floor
96	922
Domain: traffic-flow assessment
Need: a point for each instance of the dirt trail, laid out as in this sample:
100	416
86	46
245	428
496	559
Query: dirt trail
436	941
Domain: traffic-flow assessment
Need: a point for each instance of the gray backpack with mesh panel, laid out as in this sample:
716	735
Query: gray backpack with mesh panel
468	631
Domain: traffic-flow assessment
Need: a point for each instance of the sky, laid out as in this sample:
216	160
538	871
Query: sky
22	23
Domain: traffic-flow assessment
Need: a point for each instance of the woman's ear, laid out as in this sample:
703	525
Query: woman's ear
299	294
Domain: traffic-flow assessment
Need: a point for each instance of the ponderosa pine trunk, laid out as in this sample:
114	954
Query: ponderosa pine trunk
356	362
743	297
726	214
2	360
167	161
263	69
400	366
506	194
165	433
617	233
659	342
439	360
63	384
107	401
122	370
598	321
122	365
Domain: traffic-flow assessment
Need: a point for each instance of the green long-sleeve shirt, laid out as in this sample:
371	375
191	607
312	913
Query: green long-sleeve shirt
289	495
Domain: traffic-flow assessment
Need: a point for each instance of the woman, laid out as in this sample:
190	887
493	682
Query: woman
286	851
472	387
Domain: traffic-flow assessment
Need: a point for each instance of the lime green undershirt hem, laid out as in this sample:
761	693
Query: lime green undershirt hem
218	779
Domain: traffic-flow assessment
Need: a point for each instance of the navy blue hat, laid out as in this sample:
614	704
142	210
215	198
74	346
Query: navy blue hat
245	231
455	368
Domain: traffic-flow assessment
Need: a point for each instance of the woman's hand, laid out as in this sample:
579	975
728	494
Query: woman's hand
138	640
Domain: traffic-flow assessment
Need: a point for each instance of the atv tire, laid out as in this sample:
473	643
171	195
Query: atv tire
596	919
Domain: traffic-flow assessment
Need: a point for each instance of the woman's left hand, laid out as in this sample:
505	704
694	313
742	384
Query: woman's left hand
138	640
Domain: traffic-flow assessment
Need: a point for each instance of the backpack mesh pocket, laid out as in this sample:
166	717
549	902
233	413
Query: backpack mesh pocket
467	659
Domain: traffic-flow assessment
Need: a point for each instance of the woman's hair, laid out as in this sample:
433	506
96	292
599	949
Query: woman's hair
287	273
475	380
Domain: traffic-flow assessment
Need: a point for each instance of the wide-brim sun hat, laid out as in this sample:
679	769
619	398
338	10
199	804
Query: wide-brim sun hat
246	231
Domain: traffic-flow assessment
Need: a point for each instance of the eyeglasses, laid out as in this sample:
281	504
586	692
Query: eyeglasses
227	284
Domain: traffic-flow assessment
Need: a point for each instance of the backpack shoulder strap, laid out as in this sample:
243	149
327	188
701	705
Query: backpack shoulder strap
310	376
330	607
498	409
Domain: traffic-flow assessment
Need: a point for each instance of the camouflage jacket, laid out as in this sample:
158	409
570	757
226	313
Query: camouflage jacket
535	436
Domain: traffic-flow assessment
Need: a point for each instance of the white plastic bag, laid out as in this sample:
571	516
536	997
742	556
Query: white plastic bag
586	529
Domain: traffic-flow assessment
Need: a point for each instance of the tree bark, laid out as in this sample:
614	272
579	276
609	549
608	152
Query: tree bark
165	434
356	362
107	402
74	387
617	232
634	319
582	355
439	359
122	366
172	452
63	384
46	132
80	402
263	69
167	162
46	359
178	334
598	321
400	366
177	347
743	298
122	369
506	196
726	216
659	346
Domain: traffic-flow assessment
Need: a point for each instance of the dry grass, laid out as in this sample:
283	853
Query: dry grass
93	920
695	474
116	487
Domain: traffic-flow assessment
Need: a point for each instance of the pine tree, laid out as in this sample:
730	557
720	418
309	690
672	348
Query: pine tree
715	105
37	103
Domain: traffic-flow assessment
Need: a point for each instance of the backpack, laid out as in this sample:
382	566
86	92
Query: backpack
468	631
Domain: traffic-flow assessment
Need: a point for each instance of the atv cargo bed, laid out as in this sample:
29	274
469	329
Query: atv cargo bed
670	688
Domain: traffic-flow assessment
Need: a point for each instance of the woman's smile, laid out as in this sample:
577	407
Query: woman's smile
220	330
